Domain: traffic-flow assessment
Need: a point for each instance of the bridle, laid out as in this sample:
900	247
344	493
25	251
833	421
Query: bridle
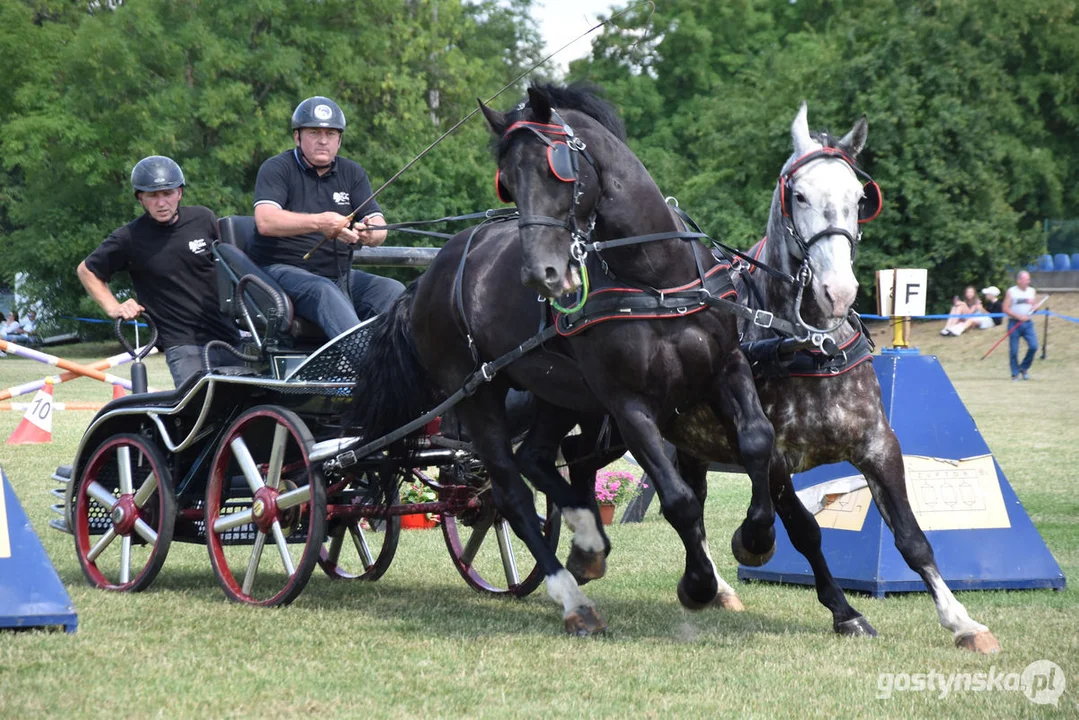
869	207
564	150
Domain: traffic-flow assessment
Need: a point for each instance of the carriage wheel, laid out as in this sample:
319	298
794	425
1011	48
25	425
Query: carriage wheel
359	549
125	510
263	490
489	555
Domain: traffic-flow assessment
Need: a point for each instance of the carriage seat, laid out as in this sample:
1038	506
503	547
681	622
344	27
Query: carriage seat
268	304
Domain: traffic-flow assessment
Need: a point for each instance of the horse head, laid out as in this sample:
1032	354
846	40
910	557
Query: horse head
821	200
545	166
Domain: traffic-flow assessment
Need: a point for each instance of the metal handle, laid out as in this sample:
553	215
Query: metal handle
146	348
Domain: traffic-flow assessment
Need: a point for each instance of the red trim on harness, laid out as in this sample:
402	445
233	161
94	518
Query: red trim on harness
498	187
542	127
665	291
592	323
880	202
850	367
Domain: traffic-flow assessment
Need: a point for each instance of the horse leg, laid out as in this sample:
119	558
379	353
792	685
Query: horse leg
883	469
805	536
698	585
754	542
484	417
536	458
695	473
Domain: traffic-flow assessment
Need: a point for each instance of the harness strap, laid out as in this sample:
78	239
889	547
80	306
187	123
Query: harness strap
641	239
458	282
485	374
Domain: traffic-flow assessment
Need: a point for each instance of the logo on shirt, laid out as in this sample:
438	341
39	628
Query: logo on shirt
341	198
197	246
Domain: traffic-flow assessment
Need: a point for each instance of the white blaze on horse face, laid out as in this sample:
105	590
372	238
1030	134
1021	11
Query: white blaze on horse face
826	194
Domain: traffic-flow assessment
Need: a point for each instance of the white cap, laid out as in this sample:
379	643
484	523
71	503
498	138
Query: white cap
991	290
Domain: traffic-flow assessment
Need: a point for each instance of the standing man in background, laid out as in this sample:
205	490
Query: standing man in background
167	252
1018	306
302	198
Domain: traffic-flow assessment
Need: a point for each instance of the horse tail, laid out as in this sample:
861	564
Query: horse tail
392	387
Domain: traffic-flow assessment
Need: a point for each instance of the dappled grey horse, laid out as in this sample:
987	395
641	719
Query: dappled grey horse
824	410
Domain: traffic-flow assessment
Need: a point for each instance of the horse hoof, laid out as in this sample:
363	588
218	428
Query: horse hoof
855	627
729	601
584	621
691	603
747	557
982	643
585	566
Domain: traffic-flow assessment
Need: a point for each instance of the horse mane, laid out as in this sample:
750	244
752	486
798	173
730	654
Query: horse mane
582	97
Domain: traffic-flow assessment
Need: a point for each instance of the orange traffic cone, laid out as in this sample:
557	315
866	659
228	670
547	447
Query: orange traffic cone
118	391
36	424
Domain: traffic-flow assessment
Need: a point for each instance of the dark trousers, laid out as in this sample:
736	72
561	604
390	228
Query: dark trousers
1027	332
321	301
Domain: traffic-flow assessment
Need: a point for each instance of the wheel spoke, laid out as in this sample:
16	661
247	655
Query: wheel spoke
101	544
145	490
247	464
99	493
145	531
294	497
333	552
359	539
277	456
253	563
125	559
509	562
232	521
475	541
123	462
282	547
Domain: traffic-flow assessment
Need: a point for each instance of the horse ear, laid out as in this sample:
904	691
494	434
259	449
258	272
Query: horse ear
853	142
540	104
800	132
496	120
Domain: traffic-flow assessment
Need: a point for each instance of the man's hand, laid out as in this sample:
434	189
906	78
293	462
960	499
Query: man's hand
128	310
369	232
334	226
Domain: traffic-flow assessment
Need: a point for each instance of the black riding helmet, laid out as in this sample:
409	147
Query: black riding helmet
318	112
156	172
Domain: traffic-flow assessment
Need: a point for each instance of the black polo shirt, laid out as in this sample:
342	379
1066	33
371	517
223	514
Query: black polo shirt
173	272
290	183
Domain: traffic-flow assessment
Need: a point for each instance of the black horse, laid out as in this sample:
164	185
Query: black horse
470	307
824	409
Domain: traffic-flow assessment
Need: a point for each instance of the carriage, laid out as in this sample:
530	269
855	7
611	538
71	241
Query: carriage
248	461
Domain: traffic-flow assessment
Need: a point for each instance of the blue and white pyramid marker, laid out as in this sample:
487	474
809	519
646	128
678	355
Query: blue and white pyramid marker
984	539
31	594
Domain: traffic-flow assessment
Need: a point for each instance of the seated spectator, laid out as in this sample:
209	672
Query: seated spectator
959	322
992	304
10	328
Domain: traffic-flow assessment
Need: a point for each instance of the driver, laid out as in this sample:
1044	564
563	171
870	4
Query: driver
302	197
166	250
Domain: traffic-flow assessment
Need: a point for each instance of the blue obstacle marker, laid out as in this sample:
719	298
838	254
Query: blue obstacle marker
31	594
991	542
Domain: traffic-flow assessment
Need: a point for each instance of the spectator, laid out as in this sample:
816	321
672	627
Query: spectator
992	304
1018	306
23	331
959	322
11	327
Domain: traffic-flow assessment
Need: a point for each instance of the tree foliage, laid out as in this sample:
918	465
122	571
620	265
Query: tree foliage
972	105
95	86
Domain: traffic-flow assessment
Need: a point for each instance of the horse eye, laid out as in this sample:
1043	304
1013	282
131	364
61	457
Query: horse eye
800	197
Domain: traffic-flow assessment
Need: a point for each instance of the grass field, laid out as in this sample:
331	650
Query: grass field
420	643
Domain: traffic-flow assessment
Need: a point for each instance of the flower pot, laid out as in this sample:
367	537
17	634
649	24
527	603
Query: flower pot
417	521
606	512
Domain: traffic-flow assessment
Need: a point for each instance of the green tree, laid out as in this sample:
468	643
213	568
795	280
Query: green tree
212	84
